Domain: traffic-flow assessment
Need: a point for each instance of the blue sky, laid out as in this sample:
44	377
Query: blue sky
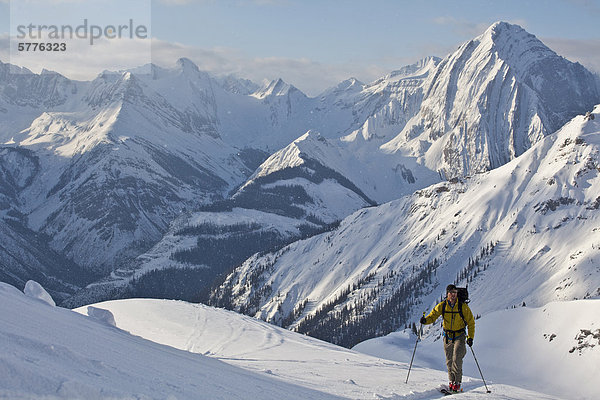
312	44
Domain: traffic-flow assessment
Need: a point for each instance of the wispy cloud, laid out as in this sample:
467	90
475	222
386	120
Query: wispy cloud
84	62
309	76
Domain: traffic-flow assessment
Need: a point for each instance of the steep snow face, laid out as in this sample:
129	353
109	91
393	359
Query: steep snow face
529	226
277	89
375	177
493	98
398	97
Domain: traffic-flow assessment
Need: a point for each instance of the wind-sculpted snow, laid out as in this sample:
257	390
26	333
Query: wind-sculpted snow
36	291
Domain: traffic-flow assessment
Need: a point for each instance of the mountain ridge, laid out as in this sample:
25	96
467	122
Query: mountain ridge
130	153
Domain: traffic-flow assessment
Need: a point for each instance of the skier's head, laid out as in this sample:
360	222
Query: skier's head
451	293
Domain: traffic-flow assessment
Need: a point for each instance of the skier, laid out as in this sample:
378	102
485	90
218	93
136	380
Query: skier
456	316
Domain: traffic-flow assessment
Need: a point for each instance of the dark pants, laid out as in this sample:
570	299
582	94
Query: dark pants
455	352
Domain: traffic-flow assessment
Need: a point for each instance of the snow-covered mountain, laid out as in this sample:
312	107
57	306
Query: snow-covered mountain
128	159
24	253
117	169
493	98
529	226
120	157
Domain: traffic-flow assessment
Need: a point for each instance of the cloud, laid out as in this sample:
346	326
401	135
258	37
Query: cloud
85	62
309	76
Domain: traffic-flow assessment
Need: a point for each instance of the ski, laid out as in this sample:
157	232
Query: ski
447	391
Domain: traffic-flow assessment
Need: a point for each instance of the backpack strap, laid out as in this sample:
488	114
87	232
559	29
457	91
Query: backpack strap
460	311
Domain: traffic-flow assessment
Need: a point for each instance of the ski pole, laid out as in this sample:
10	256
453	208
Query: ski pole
415	350
486	388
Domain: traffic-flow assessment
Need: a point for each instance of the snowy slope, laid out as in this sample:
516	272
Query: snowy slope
295	359
530	226
313	166
55	353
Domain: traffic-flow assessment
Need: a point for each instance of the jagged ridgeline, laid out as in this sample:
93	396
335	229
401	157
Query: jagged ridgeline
153	182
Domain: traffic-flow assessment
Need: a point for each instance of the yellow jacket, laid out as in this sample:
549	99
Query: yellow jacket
452	320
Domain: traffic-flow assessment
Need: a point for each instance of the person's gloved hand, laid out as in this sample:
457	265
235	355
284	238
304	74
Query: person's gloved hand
470	342
423	320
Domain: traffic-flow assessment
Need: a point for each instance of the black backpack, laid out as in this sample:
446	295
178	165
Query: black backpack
463	297
463	294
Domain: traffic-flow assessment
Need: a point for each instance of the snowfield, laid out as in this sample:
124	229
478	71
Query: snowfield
54	353
165	349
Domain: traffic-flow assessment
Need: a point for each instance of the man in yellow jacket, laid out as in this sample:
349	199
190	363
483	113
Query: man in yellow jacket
457	316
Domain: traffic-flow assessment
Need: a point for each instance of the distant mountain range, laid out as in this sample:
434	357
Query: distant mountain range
157	182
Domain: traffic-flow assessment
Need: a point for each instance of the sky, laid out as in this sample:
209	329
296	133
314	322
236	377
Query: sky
312	44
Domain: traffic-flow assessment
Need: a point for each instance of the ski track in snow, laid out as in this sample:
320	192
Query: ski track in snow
251	344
